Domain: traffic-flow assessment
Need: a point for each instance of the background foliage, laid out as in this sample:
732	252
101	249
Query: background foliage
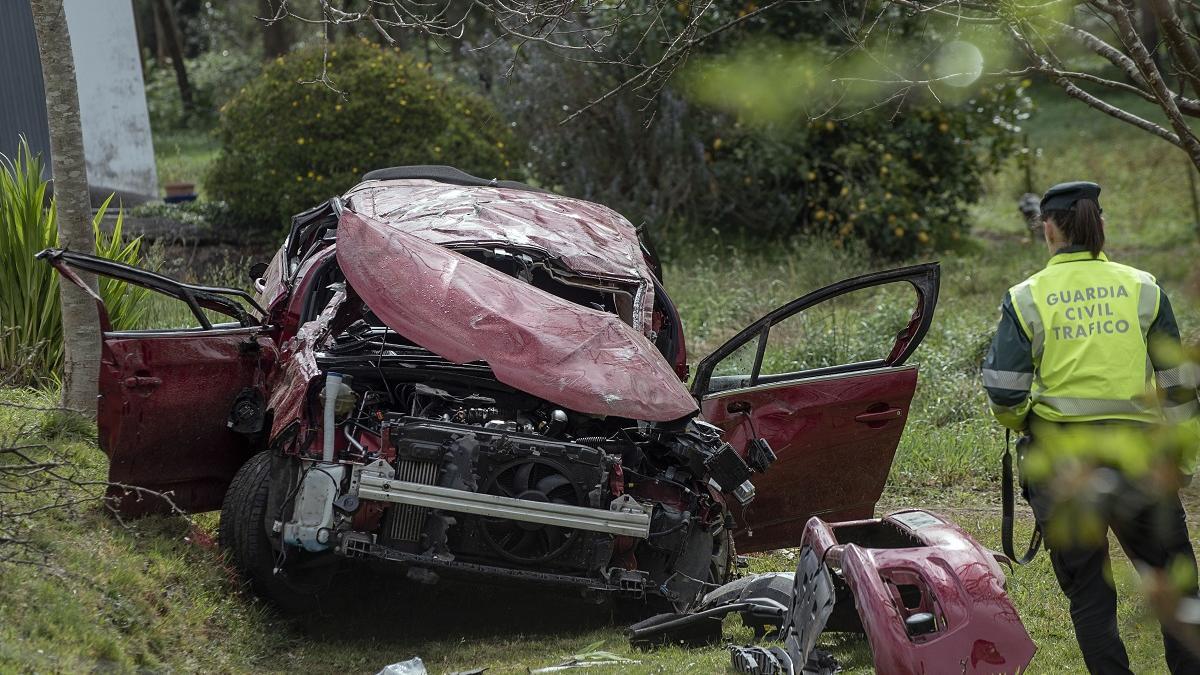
752	144
31	338
901	184
287	146
216	76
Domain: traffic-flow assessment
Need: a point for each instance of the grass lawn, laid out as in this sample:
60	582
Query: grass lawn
156	595
183	156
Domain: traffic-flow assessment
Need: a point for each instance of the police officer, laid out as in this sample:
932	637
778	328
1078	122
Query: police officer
1080	351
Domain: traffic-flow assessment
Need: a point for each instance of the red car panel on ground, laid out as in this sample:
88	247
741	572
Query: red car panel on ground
580	358
913	562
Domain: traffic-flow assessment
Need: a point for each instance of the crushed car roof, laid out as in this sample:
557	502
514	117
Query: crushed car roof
586	238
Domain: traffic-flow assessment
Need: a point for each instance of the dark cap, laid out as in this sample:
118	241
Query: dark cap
1063	196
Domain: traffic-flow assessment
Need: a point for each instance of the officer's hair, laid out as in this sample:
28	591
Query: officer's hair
1081	225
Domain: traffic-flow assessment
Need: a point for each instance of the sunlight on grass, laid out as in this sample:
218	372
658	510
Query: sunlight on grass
1146	194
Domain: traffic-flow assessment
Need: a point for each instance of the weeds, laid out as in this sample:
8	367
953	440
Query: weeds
30	319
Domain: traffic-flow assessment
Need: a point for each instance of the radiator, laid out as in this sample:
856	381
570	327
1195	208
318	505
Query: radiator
404	523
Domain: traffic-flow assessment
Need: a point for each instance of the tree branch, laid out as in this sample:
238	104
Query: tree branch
1177	41
1073	90
1149	70
1114	55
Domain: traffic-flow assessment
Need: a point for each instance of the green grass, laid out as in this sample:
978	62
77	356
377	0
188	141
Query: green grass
1146	195
184	156
155	596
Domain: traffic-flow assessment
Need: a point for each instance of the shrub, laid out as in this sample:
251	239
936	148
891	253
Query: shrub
694	172
900	183
288	145
31	338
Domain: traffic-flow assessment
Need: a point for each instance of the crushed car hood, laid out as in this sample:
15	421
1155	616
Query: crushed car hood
582	359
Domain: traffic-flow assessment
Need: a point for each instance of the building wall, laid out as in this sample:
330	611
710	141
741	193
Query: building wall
22	95
112	99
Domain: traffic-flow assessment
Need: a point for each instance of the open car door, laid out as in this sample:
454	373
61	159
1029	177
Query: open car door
823	380
179	405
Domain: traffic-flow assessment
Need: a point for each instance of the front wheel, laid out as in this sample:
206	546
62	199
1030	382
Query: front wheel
289	578
724	559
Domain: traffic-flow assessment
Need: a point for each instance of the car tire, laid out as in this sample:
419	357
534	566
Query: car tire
721	571
244	533
724	559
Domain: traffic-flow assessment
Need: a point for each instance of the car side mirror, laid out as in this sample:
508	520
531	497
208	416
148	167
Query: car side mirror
257	270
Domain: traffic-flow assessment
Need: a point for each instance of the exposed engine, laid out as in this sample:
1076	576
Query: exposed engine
442	468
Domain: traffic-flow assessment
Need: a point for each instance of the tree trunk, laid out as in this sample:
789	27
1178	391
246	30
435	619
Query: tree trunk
139	29
81	322
277	35
160	45
1148	30
174	43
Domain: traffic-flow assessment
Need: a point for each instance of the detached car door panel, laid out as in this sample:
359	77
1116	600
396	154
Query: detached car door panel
178	406
823	380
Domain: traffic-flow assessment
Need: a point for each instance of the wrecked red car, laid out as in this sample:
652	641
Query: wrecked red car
464	377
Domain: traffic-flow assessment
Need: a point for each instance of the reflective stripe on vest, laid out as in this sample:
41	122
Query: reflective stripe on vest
1091	406
1185	375
1022	296
1176	413
1147	304
1007	379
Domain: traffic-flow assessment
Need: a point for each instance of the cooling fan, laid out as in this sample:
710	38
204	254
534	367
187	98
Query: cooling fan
533	479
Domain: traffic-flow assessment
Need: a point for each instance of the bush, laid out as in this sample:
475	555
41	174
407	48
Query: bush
205	215
31	338
287	145
900	183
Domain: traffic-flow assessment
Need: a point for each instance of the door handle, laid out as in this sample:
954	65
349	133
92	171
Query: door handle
881	416
142	382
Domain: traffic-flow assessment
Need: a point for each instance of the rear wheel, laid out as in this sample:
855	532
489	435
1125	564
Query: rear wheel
289	578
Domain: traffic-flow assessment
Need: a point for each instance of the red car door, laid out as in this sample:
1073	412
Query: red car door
823	380
179	409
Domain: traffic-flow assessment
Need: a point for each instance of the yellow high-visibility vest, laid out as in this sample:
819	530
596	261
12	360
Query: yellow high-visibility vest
1088	323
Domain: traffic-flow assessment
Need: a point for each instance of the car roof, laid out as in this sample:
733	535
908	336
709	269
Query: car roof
449	207
444	174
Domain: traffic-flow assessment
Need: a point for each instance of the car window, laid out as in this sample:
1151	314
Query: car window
734	370
162	312
858	326
855	327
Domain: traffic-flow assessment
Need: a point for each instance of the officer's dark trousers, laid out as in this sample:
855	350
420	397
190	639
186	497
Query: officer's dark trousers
1153	534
